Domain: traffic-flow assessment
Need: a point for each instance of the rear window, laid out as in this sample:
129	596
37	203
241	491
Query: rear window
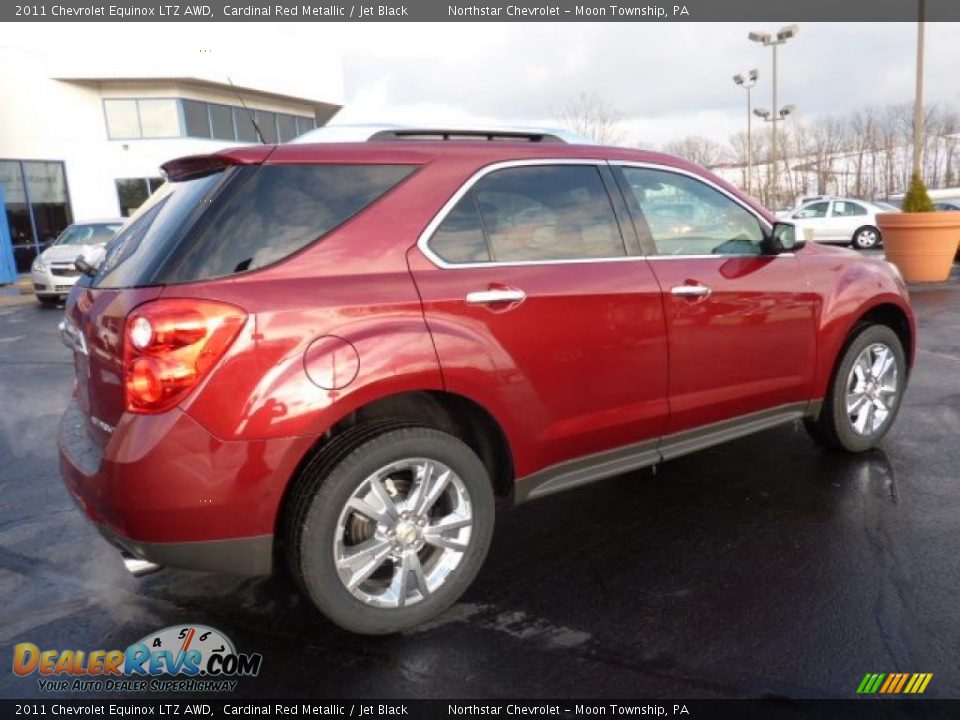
238	220
277	210
137	252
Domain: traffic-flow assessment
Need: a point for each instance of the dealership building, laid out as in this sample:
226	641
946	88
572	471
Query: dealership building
82	142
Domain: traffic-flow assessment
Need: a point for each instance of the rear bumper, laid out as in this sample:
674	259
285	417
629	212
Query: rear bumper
240	556
164	489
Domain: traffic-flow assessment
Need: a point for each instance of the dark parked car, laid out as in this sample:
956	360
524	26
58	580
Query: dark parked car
339	356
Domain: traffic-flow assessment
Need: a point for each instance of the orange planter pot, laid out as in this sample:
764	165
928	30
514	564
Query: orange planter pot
922	245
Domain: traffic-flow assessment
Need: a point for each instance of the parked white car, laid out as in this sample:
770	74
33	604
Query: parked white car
53	272
840	220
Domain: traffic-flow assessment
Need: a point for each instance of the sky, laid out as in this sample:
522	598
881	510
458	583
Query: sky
665	80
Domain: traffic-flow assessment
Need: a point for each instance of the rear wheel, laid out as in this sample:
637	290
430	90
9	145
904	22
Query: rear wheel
865	392
395	532
866	238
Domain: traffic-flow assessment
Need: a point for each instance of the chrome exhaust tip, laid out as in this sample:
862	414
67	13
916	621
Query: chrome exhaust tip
138	567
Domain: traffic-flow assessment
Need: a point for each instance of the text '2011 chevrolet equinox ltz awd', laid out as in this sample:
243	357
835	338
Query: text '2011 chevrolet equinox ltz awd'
339	356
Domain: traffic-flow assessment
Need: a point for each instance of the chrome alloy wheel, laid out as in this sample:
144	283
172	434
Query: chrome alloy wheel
872	387
403	531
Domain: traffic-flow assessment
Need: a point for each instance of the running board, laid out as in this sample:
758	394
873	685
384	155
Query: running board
610	463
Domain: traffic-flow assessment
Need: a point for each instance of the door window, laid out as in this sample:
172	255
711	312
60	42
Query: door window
532	213
816	210
845	208
688	217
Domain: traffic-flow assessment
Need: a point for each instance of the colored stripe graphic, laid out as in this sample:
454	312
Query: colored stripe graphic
894	683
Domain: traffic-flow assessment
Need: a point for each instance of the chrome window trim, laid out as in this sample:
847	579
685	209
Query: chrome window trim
706	181
423	242
424	239
764	223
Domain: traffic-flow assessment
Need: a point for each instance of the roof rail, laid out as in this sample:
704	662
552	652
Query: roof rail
446	134
387	133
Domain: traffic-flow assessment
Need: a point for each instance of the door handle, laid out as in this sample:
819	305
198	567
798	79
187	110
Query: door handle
690	290
485	297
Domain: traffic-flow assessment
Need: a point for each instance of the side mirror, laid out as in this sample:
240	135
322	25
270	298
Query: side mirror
83	266
784	238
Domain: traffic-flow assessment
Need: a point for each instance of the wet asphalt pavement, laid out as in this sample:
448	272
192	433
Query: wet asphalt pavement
763	567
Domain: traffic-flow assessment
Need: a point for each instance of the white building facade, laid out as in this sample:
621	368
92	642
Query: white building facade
79	142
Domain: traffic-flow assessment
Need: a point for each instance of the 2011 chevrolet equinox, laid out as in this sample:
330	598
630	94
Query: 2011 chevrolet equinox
338	355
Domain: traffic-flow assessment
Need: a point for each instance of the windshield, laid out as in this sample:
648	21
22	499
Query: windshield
94	234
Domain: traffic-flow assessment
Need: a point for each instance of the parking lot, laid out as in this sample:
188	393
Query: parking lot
765	567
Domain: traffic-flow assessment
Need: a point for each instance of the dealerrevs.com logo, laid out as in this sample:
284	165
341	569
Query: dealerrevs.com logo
180	658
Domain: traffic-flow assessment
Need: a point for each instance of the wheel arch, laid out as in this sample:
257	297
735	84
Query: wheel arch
449	412
886	313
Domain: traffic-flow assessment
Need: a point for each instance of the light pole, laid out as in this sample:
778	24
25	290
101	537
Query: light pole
918	101
774	118
771	40
748	85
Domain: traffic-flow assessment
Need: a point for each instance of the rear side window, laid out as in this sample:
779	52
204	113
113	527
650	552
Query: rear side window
276	210
532	214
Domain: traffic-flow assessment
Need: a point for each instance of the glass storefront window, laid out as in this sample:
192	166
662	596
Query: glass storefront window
267	122
196	119
221	120
122	119
286	127
245	130
133	192
37	205
47	189
159	118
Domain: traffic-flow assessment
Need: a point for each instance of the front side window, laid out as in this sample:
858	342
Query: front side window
688	217
529	214
845	208
816	210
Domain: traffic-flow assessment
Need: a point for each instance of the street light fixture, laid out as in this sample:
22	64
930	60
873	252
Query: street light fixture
769	40
748	85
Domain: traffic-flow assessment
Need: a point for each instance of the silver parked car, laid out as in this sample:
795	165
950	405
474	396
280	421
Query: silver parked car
846	221
53	272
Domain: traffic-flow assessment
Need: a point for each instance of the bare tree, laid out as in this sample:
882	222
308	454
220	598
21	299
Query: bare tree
589	115
699	150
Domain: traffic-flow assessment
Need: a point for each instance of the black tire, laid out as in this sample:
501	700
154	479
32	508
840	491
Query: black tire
866	238
833	428
48	302
323	494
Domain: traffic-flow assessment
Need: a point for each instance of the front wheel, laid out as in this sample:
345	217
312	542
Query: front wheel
395	532
865	393
866	238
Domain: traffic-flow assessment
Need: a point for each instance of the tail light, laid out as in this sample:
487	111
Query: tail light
170	345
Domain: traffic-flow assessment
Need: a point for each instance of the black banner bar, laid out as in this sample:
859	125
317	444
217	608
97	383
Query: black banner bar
479	11
181	707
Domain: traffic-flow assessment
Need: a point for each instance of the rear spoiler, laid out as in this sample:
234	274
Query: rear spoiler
191	167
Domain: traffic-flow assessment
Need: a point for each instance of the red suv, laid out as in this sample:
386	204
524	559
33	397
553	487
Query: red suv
339	356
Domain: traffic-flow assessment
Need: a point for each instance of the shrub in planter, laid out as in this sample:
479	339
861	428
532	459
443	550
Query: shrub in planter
919	241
